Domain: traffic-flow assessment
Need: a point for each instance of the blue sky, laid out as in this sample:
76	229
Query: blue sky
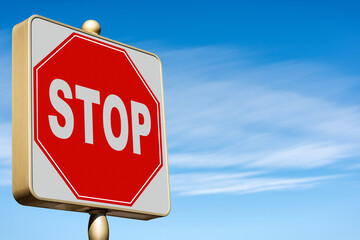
262	111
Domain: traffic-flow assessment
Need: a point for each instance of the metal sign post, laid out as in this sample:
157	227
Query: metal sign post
98	228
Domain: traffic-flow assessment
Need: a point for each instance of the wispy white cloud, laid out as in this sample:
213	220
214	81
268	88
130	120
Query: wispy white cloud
231	109
5	145
303	156
5	177
5	154
214	121
5	75
5	108
210	160
355	166
235	183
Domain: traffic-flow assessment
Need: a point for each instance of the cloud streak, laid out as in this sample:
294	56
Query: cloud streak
303	156
5	154
234	121
5	177
5	144
235	183
5	108
233	111
5	74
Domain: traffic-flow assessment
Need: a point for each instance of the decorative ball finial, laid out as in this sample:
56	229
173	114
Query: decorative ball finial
92	26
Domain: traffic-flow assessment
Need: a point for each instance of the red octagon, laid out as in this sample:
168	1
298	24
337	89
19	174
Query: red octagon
96	171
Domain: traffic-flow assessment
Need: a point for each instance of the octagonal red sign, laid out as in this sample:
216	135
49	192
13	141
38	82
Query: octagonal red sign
97	120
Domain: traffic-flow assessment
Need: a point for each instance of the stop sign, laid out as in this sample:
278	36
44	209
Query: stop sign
97	123
91	101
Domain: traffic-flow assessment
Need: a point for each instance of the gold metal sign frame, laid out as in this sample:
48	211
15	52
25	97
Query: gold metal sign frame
22	134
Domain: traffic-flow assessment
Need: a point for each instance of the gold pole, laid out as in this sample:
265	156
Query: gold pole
98	228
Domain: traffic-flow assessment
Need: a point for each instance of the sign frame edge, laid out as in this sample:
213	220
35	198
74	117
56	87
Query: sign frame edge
21	122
